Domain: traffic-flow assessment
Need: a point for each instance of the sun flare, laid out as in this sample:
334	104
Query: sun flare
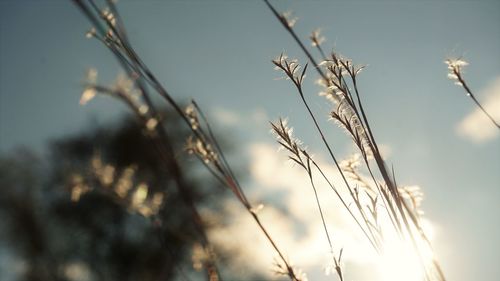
400	262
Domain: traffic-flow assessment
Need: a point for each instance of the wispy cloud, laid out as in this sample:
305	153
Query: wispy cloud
226	117
232	118
476	126
260	115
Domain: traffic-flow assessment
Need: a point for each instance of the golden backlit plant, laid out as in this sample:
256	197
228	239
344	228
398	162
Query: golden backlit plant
455	73
135	89
374	197
387	214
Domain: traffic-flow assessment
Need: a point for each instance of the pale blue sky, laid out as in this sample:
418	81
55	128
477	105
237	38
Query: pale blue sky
219	53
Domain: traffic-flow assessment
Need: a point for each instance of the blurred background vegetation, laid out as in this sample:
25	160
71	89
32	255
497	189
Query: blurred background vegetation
48	233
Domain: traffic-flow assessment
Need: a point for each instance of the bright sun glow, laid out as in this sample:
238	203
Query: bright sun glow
400	262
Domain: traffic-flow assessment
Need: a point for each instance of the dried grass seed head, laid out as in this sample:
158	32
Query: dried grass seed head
289	270
455	69
414	195
316	38
288	18
192	116
125	84
91	33
195	145
284	136
257	208
78	187
108	16
125	181
291	68
89	82
284	133
151	124
87	95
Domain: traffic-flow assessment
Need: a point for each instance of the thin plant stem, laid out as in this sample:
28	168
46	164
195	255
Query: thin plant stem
473	97
296	38
131	61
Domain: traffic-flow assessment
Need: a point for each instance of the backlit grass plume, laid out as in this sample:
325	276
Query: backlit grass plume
386	213
136	88
455	73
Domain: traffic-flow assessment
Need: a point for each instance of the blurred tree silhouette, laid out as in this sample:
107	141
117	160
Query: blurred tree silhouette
48	236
